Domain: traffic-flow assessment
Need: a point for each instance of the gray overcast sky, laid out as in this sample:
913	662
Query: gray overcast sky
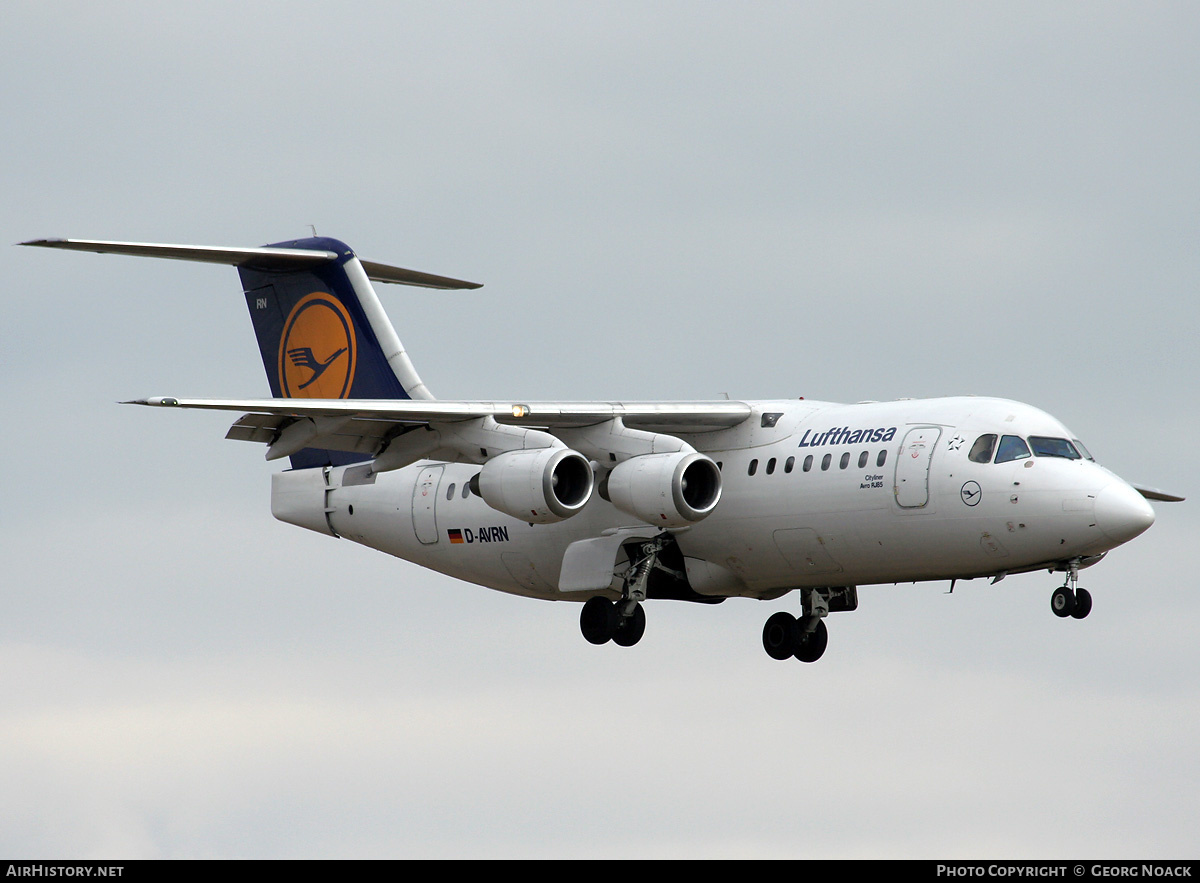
665	201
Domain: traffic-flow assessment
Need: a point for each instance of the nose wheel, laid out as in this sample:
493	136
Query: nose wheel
1068	600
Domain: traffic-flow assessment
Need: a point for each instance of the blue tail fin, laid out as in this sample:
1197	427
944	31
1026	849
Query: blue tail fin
314	331
321	329
322	334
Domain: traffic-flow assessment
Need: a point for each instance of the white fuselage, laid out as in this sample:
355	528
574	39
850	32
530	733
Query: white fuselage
889	495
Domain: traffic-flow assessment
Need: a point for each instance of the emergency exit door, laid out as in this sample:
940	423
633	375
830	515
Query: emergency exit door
424	504
912	467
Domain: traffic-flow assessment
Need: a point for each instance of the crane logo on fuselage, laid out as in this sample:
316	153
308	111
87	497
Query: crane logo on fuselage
844	435
317	351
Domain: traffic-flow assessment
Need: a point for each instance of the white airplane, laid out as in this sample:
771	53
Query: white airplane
612	503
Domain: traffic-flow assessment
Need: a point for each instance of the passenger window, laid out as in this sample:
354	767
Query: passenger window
1012	447
862	460
1053	447
791	461
808	463
466	491
845	460
771	466
753	467
825	461
981	451
450	491
881	459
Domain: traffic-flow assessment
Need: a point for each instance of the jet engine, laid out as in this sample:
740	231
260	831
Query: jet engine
667	490
540	486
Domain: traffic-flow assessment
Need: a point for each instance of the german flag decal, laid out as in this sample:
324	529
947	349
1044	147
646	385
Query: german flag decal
455	535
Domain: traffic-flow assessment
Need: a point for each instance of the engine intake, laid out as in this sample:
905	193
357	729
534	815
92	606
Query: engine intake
540	486
668	490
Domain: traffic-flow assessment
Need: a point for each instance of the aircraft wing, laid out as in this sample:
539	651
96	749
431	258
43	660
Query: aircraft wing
366	425
655	416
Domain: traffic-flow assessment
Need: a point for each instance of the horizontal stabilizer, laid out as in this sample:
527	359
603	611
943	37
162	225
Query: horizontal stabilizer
400	276
1154	494
271	258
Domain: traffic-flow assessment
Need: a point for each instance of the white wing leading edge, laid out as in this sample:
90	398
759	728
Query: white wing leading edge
369	426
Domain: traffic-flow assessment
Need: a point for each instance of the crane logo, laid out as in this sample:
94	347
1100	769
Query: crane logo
317	352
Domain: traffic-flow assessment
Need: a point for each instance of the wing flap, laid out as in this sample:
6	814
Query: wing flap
257	428
356	435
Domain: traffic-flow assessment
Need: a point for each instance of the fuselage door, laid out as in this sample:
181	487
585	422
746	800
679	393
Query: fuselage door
424	504
912	467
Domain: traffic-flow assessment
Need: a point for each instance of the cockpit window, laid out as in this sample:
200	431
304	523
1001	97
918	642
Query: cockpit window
1053	447
981	451
1079	447
1012	447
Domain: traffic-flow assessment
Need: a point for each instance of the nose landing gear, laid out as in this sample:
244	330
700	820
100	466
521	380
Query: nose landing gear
1068	600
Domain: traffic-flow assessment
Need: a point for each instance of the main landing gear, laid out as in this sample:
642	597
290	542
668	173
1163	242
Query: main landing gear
805	637
623	622
602	621
1068	600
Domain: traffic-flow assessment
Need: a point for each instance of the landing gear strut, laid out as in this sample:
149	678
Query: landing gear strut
1068	600
623	622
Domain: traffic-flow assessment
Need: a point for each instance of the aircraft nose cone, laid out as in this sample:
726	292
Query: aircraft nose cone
1122	513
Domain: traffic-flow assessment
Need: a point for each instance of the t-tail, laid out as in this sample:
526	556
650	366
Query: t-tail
321	329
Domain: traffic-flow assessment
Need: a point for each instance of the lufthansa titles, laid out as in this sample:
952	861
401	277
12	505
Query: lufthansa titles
844	435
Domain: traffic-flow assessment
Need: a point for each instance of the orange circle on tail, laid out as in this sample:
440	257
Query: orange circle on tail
317	352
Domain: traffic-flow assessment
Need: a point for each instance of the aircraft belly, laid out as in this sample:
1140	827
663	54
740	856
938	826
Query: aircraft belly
787	534
868	547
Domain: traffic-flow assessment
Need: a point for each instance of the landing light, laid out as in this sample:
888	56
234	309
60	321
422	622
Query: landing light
520	410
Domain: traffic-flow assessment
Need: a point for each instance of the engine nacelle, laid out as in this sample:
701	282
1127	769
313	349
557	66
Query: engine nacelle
668	490
540	486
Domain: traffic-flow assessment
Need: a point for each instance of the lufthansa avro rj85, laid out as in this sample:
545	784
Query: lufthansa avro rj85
614	503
